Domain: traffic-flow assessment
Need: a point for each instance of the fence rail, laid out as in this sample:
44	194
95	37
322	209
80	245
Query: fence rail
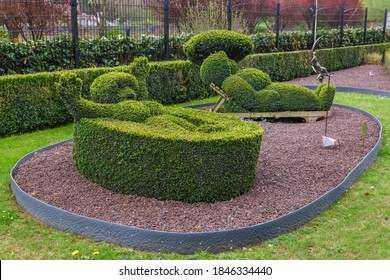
91	19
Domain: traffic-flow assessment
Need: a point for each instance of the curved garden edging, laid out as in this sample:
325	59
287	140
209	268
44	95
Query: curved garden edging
186	243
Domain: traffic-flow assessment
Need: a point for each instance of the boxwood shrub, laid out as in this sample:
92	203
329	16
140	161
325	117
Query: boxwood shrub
174	156
234	44
216	68
387	60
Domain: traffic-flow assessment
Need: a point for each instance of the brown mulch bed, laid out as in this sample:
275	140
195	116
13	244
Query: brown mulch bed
293	170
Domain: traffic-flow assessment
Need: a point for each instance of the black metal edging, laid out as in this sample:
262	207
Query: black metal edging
186	243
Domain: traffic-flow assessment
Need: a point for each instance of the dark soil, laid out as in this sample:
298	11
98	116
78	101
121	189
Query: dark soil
293	169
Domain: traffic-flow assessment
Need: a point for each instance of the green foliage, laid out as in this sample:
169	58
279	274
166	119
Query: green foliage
326	95
256	78
275	97
114	33
387	60
295	98
140	69
216	68
234	44
284	66
168	156
174	82
114	87
373	58
29	102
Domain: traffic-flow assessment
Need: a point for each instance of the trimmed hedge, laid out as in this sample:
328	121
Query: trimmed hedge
170	157
234	44
216	68
275	97
30	102
290	65
114	87
387	60
143	148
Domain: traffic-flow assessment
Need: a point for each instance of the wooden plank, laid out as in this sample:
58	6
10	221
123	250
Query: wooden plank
309	116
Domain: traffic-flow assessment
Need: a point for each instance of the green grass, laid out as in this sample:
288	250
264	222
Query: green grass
356	227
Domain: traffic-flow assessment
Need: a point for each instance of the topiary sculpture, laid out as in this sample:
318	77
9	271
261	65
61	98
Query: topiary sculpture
234	44
144	148
251	90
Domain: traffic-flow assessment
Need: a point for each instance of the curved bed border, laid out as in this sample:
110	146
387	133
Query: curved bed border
187	243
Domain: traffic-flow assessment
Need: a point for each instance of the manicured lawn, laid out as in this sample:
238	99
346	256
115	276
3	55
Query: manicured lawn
356	227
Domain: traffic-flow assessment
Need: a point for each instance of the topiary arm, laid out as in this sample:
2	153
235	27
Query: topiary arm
69	88
326	94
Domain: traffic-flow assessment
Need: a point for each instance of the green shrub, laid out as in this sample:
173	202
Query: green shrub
114	87
234	44
326	95
287	66
69	87
216	68
387	60
295	98
167	159
140	69
256	78
174	82
29	102
276	97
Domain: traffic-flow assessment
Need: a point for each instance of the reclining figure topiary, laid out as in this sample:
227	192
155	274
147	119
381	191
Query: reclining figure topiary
251	90
143	148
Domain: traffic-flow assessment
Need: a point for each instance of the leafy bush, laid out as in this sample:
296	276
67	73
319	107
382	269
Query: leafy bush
29	102
140	69
373	58
234	44
174	82
256	78
275	97
216	68
114	87
284	66
387	60
166	158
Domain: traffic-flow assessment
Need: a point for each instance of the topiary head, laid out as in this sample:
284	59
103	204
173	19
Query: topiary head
216	68
114	87
255	77
234	44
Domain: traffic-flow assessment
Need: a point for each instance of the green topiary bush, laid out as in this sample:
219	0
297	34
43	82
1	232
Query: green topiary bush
236	45
256	78
143	148
114	87
216	68
166	159
275	97
140	69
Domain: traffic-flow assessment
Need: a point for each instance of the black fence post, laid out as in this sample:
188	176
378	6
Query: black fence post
75	33
365	27
229	14
277	25
384	27
342	27
166	28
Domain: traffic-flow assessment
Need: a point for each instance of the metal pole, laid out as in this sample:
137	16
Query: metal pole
230	15
342	27
384	27
277	25
75	33
166	28
315	21
315	24
365	27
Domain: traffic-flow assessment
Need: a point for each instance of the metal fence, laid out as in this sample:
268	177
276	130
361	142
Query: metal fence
91	19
